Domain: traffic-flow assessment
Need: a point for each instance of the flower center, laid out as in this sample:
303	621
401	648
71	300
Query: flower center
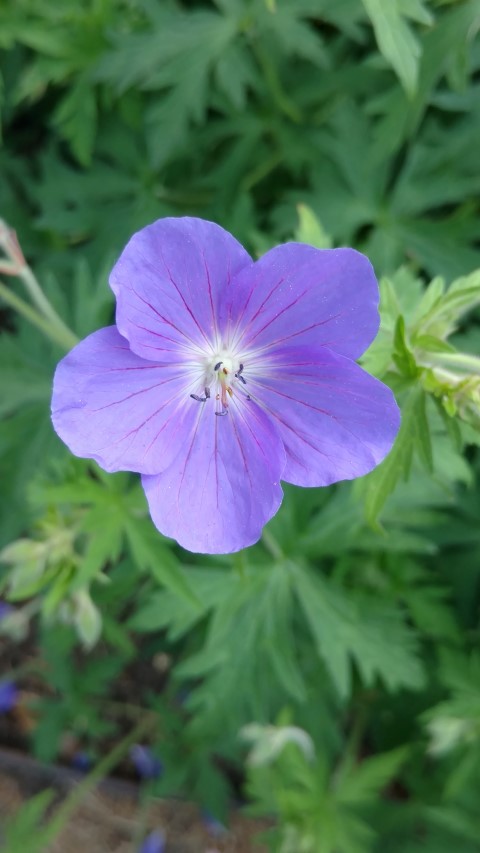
222	377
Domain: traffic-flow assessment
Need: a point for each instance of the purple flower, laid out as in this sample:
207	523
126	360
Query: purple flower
8	696
213	825
147	765
223	376
5	609
153	843
81	761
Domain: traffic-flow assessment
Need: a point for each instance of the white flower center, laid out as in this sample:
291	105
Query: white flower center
226	362
223	376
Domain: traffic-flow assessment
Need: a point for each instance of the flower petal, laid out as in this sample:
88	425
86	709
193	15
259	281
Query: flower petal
127	413
337	422
167	282
301	295
224	485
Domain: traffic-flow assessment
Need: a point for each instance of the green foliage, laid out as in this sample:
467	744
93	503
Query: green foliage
24	832
344	644
395	38
321	809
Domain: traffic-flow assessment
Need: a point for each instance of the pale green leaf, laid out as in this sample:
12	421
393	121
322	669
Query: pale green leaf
310	230
396	467
396	40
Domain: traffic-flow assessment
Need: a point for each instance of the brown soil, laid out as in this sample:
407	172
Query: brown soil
108	820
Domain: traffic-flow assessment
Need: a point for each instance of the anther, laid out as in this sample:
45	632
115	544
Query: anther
207	393
218	365
221	414
238	374
199	399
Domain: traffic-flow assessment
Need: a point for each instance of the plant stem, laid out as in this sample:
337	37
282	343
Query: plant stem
57	332
68	808
272	545
270	74
460	361
44	305
239	562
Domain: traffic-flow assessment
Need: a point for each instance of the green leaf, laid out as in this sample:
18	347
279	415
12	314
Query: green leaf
396	40
402	353
87	619
443	315
76	119
382	481
155	59
369	633
23	831
150	554
366	780
310	230
422	434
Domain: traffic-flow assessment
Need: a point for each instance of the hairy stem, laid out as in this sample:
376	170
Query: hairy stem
56	333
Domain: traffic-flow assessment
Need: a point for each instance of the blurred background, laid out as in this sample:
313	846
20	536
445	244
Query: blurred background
319	692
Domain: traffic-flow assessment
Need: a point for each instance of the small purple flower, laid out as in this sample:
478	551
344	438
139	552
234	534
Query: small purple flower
147	765
153	843
5	609
214	827
8	696
224	376
81	761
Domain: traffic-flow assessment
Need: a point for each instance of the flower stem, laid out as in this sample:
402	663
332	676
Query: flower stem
272	545
460	361
57	333
45	317
71	804
44	305
272	79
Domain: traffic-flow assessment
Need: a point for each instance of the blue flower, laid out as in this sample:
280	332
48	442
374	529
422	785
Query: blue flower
224	376
153	843
213	825
81	761
8	696
5	609
147	765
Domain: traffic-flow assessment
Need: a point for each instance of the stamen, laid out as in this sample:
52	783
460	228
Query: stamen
223	388
238	374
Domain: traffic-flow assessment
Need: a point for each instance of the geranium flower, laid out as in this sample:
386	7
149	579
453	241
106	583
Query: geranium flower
8	696
147	765
224	376
153	843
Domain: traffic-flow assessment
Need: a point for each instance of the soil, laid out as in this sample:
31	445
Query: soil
111	819
108	820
